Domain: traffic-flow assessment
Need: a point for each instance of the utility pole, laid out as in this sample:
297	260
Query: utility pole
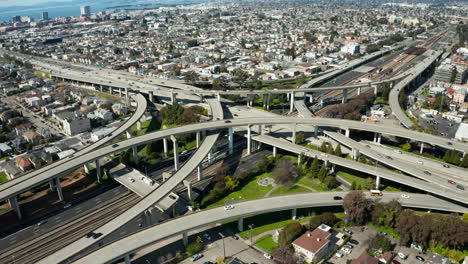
251	226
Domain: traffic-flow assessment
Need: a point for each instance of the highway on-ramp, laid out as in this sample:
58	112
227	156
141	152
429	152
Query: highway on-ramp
137	241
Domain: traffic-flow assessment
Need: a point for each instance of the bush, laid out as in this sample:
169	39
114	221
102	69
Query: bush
328	219
380	242
194	247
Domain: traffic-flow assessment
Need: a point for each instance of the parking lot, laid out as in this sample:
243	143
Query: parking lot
363	239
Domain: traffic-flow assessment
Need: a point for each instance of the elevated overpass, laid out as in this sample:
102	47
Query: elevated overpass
7	191
426	174
185	224
415	73
454	194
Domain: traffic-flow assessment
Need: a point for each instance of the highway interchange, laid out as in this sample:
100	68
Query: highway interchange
213	128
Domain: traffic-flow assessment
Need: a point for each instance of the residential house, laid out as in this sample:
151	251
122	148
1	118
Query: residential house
104	114
386	257
23	163
21	129
32	137
76	125
5	149
365	258
119	109
315	245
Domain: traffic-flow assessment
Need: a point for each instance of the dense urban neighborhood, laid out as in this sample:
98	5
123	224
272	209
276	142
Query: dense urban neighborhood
238	132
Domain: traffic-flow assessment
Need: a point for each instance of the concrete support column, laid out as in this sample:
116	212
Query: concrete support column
375	137
151	96
377	182
392	84
165	147
333	168
86	168
315	131
219	97
98	170
347	132
294	133
13	201
249	141
274	151
355	153
185	239
345	96
375	89
268	102
173	98
359	91
379	138
52	185
58	187
311	98
188	184
198	139
294	213
120	92
200	172
126	96
135	155
110	90
231	140
299	159
291	107
210	157
128	134
176	152
421	150
321	98
240	224
138	125
127	259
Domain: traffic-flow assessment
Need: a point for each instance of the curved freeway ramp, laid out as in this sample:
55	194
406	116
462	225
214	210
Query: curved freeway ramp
141	108
399	88
44	176
140	240
71	251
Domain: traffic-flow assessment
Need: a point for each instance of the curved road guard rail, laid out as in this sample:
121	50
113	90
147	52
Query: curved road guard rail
70	251
158	135
141	108
140	240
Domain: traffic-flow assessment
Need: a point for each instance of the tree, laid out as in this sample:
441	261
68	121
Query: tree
406	147
314	169
330	181
385	214
353	186
338	150
380	242
300	138
356	206
231	183
171	113
289	233
194	247
328	219
322	173
191	77
285	255
464	162
285	172
220	84
385	91
240	77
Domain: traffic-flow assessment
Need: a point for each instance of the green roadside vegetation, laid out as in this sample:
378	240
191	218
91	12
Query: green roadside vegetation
42	74
3	177
249	191
266	243
283	190
4	158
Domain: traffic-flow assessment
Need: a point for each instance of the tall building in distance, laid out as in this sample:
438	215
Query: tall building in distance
16	19
85	10
45	16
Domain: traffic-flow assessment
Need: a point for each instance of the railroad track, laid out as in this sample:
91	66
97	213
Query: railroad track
45	244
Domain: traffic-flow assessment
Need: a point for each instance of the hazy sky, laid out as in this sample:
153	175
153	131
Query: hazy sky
8	3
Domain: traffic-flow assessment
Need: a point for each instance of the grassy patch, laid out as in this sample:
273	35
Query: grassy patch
266	243
307	182
283	190
4	158
263	223
250	191
415	153
3	177
352	178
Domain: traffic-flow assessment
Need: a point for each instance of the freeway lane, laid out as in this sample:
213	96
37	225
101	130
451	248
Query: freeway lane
456	194
184	224
7	192
437	177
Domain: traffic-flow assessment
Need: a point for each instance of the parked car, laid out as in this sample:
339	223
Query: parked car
235	237
420	258
207	236
268	256
339	254
348	246
347	250
354	241
402	255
